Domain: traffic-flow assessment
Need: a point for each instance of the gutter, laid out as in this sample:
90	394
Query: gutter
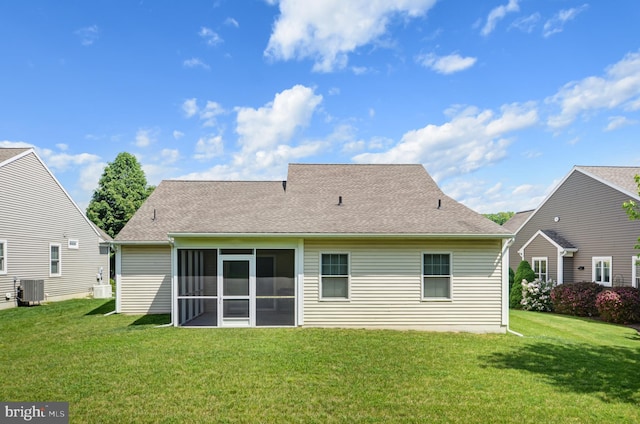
337	235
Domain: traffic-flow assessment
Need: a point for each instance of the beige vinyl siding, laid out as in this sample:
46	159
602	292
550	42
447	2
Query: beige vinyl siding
36	212
145	280
541	247
591	218
385	286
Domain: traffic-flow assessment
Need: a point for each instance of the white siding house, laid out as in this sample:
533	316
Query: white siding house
377	246
43	233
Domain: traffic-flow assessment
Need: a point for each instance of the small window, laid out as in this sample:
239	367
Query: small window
540	268
3	256
601	270
334	276
55	266
635	272
73	244
436	276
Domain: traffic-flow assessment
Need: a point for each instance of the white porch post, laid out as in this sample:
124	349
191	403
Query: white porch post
300	282
118	250
174	285
560	276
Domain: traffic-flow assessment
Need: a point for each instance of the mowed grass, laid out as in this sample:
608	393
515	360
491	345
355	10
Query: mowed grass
116	369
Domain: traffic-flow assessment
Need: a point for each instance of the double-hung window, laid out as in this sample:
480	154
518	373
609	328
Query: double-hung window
436	276
601	270
334	278
3	256
55	265
540	268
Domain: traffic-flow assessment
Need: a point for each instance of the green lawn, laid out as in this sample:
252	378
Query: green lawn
117	369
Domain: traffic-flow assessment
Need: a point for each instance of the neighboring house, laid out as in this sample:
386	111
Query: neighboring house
43	233
580	232
332	246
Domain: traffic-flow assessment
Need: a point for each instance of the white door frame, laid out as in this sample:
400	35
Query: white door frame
251	297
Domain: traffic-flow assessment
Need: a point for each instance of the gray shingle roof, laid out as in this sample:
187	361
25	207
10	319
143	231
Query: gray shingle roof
9	152
517	220
621	177
376	199
558	239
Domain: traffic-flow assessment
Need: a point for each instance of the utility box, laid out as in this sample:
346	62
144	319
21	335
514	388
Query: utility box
30	291
102	291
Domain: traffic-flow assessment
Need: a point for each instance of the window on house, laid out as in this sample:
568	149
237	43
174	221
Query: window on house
601	270
3	256
334	276
73	244
540	268
436	276
635	261
54	260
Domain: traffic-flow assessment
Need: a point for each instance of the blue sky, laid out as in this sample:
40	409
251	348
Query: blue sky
498	99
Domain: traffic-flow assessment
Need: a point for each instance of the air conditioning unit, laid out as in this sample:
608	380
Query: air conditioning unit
30	291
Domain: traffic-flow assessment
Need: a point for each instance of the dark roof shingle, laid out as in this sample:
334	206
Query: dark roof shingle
376	199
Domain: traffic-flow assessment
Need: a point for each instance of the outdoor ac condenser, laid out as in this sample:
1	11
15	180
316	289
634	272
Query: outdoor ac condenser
31	291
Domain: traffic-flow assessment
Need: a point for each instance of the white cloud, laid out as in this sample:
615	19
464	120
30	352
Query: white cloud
190	107
14	144
90	176
526	24
556	23
177	135
169	156
276	122
231	22
497	14
446	64
472	139
209	36
88	35
209	147
619	87
616	122
62	146
324	31
144	137
210	112
63	161
195	62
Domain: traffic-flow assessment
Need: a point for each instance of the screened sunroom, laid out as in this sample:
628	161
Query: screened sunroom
235	287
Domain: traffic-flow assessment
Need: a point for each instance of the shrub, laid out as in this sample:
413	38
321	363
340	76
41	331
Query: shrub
619	304
524	272
576	298
536	295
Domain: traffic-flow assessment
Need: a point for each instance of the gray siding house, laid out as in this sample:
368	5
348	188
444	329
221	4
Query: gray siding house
43	233
376	246
580	232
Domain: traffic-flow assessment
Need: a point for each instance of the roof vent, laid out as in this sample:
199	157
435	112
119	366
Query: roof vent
439	203
284	185
339	200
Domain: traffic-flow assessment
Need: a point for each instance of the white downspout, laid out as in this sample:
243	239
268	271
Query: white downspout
118	250
560	276
506	243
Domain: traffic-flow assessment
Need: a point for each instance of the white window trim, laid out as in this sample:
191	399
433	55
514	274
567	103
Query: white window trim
422	276
59	260
634	270
540	259
73	244
4	271
334	299
593	269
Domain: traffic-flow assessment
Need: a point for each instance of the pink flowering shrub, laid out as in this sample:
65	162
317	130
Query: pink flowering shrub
576	298
619	304
536	295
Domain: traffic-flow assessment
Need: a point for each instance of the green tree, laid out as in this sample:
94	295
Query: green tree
633	209
500	217
121	191
524	272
